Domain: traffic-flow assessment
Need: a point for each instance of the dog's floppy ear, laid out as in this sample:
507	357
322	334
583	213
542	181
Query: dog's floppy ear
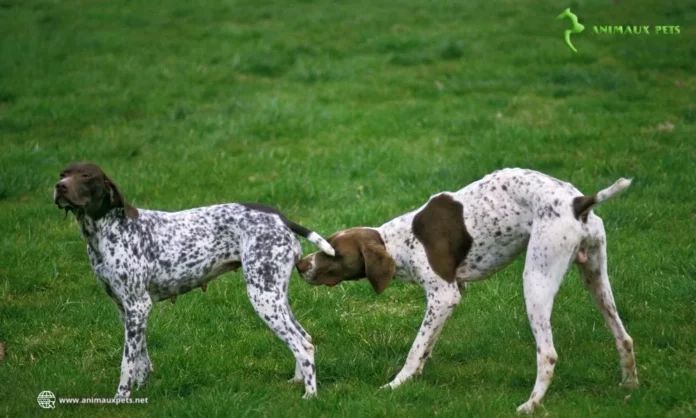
118	200
379	266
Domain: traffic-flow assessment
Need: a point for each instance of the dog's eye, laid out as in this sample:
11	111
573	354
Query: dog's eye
62	175
85	175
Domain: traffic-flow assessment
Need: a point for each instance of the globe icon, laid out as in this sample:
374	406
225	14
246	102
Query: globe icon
46	399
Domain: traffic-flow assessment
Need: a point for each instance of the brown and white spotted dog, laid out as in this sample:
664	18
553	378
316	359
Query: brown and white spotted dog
467	235
144	256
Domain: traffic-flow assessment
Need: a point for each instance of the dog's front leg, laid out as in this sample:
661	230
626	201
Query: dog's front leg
135	323
143	365
442	298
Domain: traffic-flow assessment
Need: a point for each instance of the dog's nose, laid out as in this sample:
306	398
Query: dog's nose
61	187
302	267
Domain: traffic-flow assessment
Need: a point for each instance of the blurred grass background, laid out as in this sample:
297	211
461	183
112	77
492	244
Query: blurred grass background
344	114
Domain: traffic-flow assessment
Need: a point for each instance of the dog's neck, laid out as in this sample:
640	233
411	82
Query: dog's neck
92	229
399	241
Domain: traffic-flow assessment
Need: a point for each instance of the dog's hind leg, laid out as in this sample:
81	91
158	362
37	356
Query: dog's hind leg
297	377
596	281
268	295
546	263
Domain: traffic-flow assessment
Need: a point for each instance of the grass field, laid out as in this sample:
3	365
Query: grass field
344	114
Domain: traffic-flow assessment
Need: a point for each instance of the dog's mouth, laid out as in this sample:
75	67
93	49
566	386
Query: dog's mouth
311	276
66	204
330	282
308	278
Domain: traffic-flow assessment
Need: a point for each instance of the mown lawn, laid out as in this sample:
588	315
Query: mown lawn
343	114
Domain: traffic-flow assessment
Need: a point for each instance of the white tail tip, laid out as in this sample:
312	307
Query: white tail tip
321	243
623	183
618	187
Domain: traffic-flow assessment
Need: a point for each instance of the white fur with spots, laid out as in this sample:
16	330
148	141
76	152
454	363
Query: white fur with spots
161	255
506	213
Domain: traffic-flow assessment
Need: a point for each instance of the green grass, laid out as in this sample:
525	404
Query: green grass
343	114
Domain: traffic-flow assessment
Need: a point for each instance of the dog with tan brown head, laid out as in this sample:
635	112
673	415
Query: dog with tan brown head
360	253
470	234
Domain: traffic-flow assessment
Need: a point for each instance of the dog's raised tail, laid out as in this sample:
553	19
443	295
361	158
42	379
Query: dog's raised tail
300	230
321	243
583	204
312	237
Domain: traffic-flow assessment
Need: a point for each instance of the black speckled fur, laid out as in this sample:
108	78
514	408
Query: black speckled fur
161	255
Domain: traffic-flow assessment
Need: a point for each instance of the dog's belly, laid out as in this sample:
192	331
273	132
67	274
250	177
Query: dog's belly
177	282
491	254
500	227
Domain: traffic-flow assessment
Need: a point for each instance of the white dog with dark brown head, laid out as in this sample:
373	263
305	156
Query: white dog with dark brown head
468	235
144	256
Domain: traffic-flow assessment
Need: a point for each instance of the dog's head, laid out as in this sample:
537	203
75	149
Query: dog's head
360	253
85	189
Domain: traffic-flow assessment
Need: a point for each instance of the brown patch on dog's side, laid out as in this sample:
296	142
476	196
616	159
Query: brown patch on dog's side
582	206
440	228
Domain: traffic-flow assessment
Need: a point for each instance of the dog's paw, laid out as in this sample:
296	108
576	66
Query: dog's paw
122	394
526	408
142	373
141	381
630	383
389	385
309	395
296	379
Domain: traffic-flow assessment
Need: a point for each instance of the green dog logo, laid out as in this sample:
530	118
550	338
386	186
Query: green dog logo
577	27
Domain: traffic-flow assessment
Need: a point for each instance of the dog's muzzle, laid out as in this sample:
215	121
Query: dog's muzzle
304	268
